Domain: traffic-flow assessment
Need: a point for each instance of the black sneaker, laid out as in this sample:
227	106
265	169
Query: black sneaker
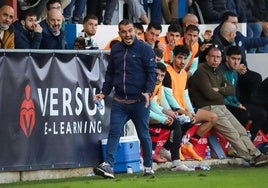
261	160
104	170
148	171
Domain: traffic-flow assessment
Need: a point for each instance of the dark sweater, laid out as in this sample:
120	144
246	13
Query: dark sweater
25	39
131	70
202	82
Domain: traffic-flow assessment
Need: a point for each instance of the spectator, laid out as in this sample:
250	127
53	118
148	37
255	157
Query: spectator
6	27
155	5
189	19
170	10
139	30
209	89
85	39
53	34
136	11
134	81
249	80
28	33
213	10
27	4
109	11
162	116
254	27
170	40
180	92
32	5
261	12
74	16
243	112
55	4
95	7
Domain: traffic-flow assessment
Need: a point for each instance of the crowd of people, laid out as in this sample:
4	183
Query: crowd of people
158	79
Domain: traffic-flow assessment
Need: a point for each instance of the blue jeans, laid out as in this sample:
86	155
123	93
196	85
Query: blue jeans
120	114
109	11
254	30
78	10
156	10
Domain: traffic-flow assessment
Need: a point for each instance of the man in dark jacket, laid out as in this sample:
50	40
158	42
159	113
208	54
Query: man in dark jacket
28	33
209	90
249	80
131	72
53	34
213	10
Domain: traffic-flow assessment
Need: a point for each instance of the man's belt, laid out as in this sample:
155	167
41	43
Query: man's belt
126	101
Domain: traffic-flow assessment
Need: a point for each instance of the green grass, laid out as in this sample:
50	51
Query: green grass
217	177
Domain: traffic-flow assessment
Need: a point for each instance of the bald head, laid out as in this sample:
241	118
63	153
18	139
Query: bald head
189	19
54	20
6	17
228	31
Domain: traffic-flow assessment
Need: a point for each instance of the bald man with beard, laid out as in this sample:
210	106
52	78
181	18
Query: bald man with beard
54	36
6	30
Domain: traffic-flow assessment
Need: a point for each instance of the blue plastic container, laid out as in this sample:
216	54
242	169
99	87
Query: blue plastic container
127	155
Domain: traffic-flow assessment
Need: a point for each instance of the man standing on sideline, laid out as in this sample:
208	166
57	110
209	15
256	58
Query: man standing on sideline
6	29
28	33
209	90
131	72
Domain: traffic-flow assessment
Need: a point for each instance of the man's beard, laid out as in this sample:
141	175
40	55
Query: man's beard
4	26
56	32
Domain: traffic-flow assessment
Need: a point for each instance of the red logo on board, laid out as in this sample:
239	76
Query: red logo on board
27	113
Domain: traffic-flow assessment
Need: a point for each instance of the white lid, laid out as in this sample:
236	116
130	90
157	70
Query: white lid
123	139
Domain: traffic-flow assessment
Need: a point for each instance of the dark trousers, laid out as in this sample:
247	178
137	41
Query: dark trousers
247	85
255	113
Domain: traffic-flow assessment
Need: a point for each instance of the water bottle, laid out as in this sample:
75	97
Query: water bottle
129	170
249	134
208	152
99	105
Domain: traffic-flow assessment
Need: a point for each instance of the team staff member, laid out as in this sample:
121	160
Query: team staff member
131	72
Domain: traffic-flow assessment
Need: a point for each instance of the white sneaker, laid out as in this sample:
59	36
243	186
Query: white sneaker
177	165
163	153
148	171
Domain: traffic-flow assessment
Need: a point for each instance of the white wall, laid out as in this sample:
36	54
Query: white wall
106	32
257	62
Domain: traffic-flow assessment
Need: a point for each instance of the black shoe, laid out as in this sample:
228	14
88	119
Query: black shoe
104	170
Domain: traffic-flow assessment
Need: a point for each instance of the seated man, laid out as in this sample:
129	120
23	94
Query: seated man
28	33
6	27
85	39
190	39
162	116
170	40
243	112
53	35
209	89
180	92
